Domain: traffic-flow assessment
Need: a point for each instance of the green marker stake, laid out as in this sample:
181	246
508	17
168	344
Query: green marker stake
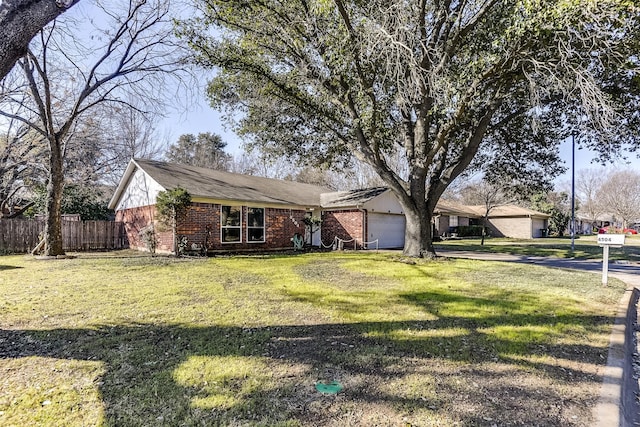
331	388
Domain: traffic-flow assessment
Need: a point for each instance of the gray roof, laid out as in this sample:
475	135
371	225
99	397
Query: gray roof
220	185
341	199
449	207
509	211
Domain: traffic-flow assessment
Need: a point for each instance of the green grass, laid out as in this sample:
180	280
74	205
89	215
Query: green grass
586	247
126	340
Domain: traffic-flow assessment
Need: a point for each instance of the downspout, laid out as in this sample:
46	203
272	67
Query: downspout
365	226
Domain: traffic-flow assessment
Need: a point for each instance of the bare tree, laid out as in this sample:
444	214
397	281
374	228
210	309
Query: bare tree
21	153
355	175
136	135
259	163
620	193
20	21
489	195
588	183
67	80
122	133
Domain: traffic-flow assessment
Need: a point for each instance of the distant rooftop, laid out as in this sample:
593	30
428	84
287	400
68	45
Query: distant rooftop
508	211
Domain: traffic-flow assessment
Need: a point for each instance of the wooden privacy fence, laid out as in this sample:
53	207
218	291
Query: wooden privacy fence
22	235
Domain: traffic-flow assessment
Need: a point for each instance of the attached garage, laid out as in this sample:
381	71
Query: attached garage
388	229
539	227
363	216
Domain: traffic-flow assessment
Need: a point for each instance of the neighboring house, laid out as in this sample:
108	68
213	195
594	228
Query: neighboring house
229	212
448	215
375	214
514	221
232	212
587	225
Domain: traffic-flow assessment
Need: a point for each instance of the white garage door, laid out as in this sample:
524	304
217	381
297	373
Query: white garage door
387	228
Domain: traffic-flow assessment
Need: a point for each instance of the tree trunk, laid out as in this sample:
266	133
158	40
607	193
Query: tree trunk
53	228
20	21
484	229
418	234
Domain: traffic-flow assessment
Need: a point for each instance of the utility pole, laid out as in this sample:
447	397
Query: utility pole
573	190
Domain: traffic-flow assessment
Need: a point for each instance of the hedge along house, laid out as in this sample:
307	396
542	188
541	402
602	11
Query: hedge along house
229	212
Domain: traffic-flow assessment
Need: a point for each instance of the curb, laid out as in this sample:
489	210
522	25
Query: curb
616	405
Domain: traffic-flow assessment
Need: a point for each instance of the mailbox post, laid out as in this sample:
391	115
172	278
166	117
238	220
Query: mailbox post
606	241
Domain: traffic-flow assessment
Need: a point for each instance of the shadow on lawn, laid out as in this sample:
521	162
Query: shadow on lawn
139	386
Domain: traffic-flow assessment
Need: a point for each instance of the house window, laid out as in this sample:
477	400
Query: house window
453	221
255	225
230	224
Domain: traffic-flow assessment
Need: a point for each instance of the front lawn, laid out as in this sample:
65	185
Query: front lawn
123	340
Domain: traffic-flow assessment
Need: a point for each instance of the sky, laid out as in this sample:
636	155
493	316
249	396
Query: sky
200	117
586	159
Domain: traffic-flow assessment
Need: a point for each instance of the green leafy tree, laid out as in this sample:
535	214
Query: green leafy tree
518	160
206	150
433	83
90	202
557	205
172	205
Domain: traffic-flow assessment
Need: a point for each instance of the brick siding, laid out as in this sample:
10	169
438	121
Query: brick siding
346	225
201	226
136	220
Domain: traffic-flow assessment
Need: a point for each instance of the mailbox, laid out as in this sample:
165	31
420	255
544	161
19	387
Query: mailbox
606	241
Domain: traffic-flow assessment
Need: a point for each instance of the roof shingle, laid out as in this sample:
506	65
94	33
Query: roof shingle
220	185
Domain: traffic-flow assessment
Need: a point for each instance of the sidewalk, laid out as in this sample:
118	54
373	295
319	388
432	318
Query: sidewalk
618	404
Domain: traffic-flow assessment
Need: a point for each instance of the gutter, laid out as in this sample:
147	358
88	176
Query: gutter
365	224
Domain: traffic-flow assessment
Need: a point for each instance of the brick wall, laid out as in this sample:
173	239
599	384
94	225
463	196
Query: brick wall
281	225
201	226
346	225
136	220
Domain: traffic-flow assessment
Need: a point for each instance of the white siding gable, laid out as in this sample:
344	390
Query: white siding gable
141	190
384	203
